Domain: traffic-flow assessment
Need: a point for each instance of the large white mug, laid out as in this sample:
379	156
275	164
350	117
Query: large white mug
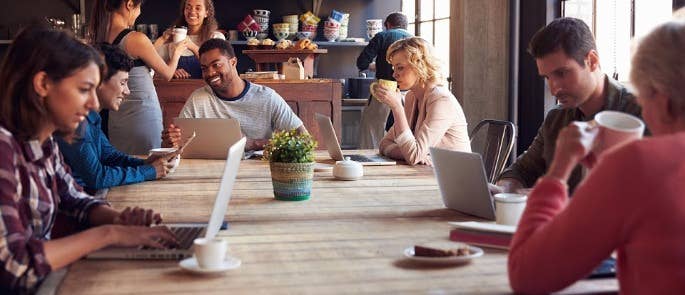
614	129
180	34
210	253
509	208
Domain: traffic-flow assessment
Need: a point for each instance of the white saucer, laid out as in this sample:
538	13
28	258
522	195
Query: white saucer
190	264
475	252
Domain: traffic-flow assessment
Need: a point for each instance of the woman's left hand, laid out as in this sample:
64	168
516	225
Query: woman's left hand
138	216
391	98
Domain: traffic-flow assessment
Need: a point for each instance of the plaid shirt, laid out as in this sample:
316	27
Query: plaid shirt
34	184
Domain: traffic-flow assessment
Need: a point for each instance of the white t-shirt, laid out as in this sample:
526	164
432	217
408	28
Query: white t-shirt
259	109
164	49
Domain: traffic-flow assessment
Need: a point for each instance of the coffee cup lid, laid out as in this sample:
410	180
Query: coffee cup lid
510	198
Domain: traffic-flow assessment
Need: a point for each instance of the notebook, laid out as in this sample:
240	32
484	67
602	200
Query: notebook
186	233
334	151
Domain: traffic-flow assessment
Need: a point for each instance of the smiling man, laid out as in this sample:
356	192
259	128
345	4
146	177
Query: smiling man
566	56
259	109
95	163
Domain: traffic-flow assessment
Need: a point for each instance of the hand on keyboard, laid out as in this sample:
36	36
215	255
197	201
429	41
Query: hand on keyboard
138	216
159	237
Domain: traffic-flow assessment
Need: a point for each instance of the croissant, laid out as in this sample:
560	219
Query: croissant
303	44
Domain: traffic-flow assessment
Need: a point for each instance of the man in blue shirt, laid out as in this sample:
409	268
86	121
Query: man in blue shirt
375	114
94	162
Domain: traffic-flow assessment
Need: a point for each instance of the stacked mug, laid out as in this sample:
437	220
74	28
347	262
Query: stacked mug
331	30
332	26
344	26
261	16
281	31
292	21
310	23
373	27
249	27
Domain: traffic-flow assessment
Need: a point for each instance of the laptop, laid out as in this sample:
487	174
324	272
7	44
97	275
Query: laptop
213	136
186	233
462	181
329	137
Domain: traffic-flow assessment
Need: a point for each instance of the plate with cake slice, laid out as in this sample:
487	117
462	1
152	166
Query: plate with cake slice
443	253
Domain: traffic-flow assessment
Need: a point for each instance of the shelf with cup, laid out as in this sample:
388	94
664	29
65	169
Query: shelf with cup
320	43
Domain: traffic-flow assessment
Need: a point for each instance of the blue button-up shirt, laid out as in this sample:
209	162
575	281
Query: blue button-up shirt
96	164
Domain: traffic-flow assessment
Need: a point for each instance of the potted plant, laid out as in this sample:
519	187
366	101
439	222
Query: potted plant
291	158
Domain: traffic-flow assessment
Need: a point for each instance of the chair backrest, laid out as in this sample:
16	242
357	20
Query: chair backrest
497	145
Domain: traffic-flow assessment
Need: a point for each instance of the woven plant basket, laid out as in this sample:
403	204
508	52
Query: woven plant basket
292	181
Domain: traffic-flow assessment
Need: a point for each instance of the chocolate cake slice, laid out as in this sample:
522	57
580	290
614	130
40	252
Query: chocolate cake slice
435	252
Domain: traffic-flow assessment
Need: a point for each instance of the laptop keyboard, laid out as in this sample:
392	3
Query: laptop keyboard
359	158
186	235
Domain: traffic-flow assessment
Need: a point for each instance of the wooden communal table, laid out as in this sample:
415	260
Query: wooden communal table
264	57
348	238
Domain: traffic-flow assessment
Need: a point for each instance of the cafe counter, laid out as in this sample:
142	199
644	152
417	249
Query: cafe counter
305	97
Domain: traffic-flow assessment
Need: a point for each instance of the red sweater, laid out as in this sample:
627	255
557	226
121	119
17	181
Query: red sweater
633	202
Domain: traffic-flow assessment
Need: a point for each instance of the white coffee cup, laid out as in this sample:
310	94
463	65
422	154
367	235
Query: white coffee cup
509	208
210	253
614	129
180	34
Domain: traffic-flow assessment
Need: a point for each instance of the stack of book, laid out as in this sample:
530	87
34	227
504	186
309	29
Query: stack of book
482	234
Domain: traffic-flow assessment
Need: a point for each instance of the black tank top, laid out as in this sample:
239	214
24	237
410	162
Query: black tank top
136	62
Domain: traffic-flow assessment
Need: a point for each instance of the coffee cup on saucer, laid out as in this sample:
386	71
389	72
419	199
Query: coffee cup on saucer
210	253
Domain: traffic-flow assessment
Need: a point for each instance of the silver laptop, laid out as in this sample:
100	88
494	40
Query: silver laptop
186	233
213	136
462	181
328	133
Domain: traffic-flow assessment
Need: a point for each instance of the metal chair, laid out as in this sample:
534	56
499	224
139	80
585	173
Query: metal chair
497	145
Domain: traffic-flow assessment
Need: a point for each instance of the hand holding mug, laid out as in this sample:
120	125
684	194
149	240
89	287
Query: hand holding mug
386	92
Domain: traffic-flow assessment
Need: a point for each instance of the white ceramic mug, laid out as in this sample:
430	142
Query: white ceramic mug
210	253
509	208
614	129
180	34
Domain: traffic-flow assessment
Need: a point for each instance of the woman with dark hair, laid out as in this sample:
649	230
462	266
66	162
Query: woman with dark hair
50	80
199	17
137	126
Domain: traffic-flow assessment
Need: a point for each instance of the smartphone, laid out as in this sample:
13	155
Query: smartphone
606	269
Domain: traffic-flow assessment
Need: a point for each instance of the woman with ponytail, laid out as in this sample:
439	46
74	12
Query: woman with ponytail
137	126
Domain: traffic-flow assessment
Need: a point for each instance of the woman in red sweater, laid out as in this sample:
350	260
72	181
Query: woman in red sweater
632	202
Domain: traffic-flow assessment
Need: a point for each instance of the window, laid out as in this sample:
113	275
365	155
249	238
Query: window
431	19
615	23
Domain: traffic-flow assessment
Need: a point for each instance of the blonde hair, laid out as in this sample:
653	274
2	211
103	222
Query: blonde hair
421	58
659	64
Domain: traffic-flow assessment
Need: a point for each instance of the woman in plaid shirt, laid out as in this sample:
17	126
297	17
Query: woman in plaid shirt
49	82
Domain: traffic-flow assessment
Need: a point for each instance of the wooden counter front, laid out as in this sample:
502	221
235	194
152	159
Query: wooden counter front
305	97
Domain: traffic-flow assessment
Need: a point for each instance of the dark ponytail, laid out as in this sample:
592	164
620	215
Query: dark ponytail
101	18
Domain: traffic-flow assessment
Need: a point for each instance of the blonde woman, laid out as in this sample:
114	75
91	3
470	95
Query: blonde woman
199	18
431	115
632	200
